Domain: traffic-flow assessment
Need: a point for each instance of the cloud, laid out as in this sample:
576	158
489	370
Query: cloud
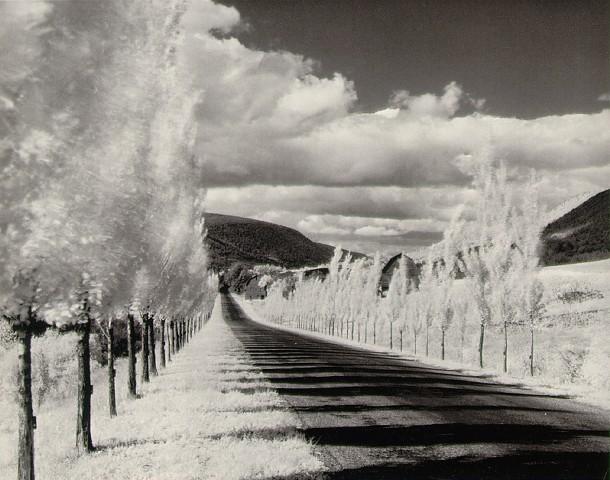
365	226
430	105
369	149
375	231
205	16
604	97
388	112
315	100
277	140
369	202
317	224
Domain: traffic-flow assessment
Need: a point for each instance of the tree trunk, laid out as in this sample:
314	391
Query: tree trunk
391	336
162	343
172	336
532	350
442	344
175	336
85	389
179	335
481	343
462	341
152	354
400	339
144	350
414	342
374	333
27	421
505	347
131	354
168	335
427	337
111	372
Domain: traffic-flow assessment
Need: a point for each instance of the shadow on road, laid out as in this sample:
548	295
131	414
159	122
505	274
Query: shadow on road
522	466
444	434
386	417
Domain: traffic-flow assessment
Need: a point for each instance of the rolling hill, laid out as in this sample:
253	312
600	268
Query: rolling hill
233	240
580	235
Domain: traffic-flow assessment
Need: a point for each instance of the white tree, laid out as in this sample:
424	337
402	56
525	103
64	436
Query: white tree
415	306
487	251
461	308
529	301
396	298
444	276
93	169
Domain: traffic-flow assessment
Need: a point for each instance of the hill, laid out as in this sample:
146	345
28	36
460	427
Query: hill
237	240
582	234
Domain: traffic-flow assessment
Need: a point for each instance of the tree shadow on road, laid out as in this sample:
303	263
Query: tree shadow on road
519	466
444	434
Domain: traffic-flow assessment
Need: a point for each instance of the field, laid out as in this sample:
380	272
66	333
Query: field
189	422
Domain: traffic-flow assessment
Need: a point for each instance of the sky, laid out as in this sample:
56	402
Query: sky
354	120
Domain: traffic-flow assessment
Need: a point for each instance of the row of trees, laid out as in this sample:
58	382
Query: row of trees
101	208
483	273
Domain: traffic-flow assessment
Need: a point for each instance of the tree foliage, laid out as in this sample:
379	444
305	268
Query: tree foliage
487	264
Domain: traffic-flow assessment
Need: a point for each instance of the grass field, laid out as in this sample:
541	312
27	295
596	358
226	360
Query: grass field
189	424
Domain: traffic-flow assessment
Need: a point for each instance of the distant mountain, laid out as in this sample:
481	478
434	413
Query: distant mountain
580	235
237	240
567	206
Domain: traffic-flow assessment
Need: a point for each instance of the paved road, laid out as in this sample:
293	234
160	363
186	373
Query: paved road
377	416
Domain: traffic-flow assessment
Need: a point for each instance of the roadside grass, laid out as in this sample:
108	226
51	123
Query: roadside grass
191	422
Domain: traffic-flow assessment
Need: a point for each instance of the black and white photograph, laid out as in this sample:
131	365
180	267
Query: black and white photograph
304	239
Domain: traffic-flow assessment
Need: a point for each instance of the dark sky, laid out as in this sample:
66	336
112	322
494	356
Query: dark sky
528	58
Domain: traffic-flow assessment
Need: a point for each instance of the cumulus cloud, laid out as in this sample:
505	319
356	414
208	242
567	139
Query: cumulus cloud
313	99
375	231
370	202
430	105
317	224
366	226
205	16
276	137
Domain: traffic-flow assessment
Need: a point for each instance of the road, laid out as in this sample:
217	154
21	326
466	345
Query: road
379	416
